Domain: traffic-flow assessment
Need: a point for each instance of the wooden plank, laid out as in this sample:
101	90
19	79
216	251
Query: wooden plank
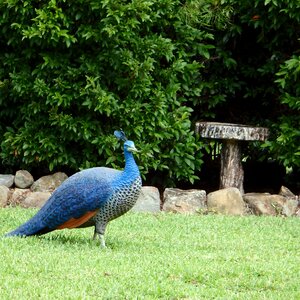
229	131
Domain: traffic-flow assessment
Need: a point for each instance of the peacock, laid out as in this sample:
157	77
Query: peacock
91	197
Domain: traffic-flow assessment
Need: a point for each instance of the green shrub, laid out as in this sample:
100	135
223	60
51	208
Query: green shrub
72	72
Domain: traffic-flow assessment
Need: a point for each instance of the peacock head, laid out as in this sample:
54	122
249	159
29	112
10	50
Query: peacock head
129	146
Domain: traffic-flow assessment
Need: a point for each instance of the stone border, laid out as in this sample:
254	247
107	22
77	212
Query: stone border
228	201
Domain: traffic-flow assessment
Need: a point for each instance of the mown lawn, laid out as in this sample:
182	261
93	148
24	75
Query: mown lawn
162	256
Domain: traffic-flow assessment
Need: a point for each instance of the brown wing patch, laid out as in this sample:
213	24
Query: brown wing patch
73	223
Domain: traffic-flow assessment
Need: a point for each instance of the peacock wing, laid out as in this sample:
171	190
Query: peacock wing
79	199
73	203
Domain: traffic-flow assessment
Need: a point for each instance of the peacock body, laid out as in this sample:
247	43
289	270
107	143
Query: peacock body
92	197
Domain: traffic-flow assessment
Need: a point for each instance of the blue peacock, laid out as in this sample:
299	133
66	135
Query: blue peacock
91	197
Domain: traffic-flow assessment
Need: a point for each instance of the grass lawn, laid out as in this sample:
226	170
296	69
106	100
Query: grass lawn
164	256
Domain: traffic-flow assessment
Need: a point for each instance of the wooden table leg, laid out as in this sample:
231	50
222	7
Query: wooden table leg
232	173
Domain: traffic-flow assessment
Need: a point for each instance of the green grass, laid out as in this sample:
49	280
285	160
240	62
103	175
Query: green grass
162	256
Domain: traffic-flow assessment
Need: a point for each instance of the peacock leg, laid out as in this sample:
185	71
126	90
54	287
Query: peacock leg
100	234
101	238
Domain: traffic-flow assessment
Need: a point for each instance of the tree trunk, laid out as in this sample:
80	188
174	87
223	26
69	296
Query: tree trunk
232	173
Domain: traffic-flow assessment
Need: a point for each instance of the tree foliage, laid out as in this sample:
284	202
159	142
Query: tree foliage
286	144
273	27
259	81
73	71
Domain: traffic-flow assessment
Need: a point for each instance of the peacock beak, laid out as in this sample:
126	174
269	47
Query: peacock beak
132	149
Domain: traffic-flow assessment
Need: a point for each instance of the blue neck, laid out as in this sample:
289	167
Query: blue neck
130	172
131	169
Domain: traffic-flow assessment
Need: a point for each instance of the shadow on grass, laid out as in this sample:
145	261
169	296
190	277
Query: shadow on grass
57	238
72	240
67	239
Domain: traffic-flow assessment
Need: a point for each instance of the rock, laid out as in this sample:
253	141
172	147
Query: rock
227	201
273	205
49	183
148	201
35	199
18	196
184	201
290	207
4	192
285	192
23	179
7	180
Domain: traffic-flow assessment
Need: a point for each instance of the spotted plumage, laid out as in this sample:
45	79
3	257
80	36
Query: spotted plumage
120	202
92	197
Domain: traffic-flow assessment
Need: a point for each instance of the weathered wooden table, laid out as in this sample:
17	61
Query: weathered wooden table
231	174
